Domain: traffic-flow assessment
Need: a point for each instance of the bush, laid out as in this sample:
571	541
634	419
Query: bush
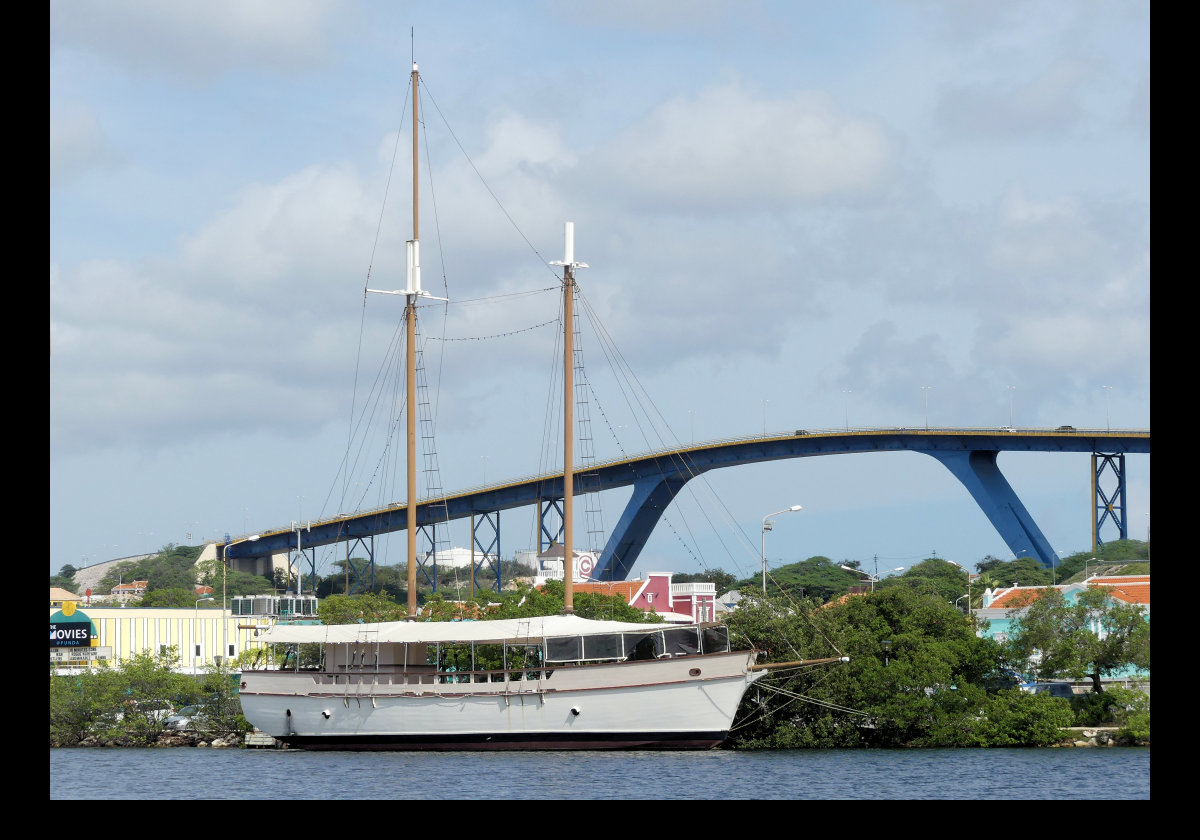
1014	718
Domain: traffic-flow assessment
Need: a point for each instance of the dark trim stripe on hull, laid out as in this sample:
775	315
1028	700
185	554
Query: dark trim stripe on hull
513	741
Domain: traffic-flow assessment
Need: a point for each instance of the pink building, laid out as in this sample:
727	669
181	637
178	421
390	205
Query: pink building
679	603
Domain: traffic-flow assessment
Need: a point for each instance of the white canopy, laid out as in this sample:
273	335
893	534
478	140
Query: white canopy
514	630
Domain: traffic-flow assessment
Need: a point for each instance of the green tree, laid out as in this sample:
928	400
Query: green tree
145	688
172	598
80	704
360	609
720	578
926	687
1095	637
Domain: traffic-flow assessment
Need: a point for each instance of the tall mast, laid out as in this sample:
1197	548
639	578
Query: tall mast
410	333
412	292
569	265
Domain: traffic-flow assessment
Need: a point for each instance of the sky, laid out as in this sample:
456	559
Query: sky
795	215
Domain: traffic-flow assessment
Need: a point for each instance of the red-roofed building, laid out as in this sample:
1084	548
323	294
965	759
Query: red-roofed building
1004	605
128	591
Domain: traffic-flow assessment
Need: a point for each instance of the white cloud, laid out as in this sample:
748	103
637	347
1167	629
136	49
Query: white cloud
198	40
1046	105
77	144
727	149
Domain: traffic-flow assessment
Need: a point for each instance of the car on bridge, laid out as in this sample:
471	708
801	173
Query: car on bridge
1065	429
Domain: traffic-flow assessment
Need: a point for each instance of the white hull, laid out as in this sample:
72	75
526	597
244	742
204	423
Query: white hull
679	703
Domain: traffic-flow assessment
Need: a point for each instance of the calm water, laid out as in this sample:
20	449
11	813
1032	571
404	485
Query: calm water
186	773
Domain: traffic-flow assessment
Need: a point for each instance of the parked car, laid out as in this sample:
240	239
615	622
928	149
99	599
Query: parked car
1054	689
186	718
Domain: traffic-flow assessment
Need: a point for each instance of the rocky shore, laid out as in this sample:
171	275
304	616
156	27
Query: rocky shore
174	739
1094	736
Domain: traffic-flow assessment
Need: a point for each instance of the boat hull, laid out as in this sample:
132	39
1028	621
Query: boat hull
684	703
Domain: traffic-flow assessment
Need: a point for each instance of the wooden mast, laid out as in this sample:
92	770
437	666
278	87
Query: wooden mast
412	293
569	265
410	332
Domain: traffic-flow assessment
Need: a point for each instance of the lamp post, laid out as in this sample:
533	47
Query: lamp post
926	389
767	526
1107	406
846	405
964	570
224	572
1085	568
195	618
874	580
1011	388
887	648
765	417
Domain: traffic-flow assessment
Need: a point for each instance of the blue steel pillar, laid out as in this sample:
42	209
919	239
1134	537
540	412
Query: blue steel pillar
363	578
1108	506
978	472
549	535
489	549
429	560
651	497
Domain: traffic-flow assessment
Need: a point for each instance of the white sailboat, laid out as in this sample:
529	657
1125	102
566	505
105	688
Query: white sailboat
551	682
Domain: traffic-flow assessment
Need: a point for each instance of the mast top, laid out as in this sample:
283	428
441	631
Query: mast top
569	258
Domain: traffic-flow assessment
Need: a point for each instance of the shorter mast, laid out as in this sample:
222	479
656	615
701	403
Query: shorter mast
410	330
569	265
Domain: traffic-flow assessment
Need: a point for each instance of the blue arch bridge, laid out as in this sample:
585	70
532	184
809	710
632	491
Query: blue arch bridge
656	477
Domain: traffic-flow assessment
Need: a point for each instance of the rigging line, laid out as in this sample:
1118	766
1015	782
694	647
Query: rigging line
366	284
496	335
836	707
442	259
362	321
545	264
619	365
348	466
524	293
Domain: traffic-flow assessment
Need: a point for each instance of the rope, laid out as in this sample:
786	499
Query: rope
496	335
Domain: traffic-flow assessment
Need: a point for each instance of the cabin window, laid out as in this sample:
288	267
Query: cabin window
603	647
681	641
564	649
643	645
715	639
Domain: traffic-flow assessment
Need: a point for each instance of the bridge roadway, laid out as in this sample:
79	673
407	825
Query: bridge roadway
969	453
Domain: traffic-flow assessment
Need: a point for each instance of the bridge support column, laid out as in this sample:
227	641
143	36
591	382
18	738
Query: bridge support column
488	521
364	578
978	472
549	511
650	499
1108	506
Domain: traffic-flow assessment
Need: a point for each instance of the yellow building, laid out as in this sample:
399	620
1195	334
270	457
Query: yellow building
59	596
201	637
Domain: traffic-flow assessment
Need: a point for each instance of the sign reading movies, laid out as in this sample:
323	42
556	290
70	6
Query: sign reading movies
69	628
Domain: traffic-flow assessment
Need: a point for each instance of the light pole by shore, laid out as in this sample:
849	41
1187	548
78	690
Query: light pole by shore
964	570
224	577
874	580
767	526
